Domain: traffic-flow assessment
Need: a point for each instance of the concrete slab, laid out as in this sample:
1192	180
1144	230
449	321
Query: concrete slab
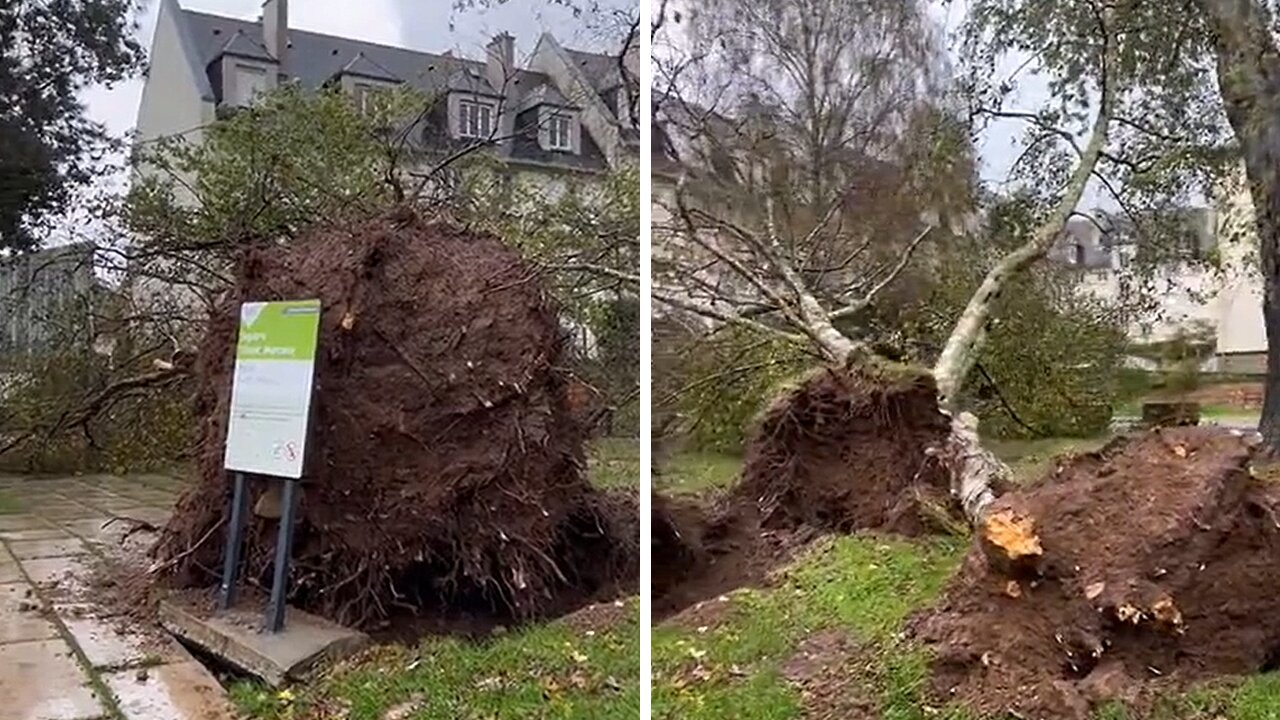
51	533
66	511
106	643
20	618
147	513
235	637
42	681
35	549
53	570
22	522
156	506
93	529
9	572
182	691
120	507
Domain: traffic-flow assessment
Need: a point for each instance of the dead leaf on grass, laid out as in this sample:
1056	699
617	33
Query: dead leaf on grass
404	710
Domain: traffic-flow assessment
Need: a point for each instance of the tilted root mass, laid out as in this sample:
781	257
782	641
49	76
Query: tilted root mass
846	449
850	449
1151	563
445	467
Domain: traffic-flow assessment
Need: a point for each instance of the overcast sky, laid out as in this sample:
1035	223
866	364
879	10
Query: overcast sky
435	26
423	24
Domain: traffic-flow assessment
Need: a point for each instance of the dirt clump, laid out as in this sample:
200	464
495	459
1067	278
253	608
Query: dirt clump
1161	555
835	678
445	463
848	450
845	450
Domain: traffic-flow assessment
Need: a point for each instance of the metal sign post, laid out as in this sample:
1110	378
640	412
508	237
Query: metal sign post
235	539
267	429
284	545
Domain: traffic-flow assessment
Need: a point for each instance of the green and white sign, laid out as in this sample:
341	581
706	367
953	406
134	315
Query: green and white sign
271	387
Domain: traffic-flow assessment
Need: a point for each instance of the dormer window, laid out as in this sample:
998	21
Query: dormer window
364	97
560	133
475	119
250	81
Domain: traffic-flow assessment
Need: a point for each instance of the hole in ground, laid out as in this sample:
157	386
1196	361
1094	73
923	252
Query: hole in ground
1272	661
224	672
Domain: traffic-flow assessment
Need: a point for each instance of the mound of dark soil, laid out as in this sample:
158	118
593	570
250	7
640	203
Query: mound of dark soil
445	465
845	450
1160	563
848	450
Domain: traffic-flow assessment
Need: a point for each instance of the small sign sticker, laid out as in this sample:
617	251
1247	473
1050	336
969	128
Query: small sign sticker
271	387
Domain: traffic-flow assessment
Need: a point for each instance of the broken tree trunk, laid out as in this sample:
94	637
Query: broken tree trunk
974	475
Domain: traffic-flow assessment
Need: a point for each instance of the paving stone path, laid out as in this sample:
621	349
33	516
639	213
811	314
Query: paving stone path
62	657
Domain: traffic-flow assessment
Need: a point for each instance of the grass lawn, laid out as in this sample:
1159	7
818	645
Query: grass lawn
698	471
614	462
552	670
1029	459
861	588
729	659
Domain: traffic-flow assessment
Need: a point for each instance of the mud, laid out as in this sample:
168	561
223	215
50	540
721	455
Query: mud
1161	560
445	465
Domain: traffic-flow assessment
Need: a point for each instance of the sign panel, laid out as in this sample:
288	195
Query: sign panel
271	387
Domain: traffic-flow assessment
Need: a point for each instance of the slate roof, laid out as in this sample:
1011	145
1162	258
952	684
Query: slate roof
364	67
600	70
242	45
545	94
315	59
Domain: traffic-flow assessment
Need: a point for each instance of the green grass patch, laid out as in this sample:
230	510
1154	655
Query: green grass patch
9	503
614	462
699	471
864	584
1029	459
551	670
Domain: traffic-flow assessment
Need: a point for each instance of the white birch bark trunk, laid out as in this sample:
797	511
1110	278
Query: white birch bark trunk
971	480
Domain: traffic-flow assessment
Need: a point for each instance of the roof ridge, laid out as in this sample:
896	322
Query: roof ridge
361	58
372	43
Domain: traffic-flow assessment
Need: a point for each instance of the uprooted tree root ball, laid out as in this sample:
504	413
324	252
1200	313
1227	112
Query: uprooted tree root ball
1147	565
445	467
844	450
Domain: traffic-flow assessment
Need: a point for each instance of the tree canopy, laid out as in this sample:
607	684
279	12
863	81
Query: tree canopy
49	51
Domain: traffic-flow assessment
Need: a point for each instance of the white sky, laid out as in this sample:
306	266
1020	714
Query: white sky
435	26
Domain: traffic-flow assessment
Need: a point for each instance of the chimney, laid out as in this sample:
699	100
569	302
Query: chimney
275	28
500	64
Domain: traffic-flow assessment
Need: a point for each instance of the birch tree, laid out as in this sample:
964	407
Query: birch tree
792	122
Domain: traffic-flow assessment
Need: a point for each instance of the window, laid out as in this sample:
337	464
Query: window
558	137
475	119
250	81
364	97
